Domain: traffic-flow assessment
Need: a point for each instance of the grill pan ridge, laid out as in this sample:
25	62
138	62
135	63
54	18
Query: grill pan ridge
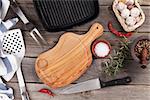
62	14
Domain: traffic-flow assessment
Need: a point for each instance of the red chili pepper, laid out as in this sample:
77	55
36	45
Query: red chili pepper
117	33
46	91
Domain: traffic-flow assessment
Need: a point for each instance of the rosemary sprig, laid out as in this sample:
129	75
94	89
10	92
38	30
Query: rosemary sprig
116	62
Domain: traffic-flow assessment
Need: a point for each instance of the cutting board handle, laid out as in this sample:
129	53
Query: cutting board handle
95	31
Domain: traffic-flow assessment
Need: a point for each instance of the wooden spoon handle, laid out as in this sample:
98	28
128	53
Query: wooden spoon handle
144	56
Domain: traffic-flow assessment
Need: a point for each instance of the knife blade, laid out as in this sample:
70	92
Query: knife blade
93	85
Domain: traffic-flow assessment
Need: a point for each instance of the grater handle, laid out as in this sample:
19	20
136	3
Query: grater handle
23	90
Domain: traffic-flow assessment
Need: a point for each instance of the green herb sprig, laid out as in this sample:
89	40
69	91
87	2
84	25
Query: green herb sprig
116	62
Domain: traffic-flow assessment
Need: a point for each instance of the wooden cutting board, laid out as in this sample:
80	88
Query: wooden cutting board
69	59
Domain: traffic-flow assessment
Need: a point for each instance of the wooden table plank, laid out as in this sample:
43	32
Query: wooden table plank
101	2
139	75
33	50
127	92
104	16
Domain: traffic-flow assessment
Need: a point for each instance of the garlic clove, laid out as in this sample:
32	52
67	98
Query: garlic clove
129	2
130	21
138	19
130	7
135	12
125	13
120	6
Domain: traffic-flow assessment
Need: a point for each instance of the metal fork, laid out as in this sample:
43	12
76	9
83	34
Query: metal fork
33	30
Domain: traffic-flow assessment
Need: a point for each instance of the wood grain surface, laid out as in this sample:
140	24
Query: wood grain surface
69	59
139	89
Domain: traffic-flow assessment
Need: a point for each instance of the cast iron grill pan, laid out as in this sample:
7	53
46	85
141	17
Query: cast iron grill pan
62	14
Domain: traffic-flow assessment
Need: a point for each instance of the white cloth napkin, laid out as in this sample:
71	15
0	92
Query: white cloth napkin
4	9
8	64
6	93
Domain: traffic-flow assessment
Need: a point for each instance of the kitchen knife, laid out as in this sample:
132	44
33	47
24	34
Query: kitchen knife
93	85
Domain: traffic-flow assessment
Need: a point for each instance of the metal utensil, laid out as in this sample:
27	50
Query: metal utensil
33	30
93	84
4	8
13	43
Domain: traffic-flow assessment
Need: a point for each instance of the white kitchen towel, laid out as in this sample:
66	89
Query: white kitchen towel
6	93
3	68
10	63
4	97
4	9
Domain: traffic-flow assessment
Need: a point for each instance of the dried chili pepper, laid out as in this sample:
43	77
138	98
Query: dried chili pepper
46	91
117	33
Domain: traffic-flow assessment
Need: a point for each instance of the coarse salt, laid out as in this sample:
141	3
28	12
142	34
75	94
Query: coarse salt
102	49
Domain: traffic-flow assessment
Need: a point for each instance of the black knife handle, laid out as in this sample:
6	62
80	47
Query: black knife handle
121	81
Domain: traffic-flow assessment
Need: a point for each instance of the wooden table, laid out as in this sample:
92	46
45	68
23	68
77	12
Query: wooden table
138	89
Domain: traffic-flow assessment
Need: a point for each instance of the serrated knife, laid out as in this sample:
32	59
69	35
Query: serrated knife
93	85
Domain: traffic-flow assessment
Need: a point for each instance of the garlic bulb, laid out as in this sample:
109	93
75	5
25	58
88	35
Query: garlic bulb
125	13
135	12
138	19
130	21
129	2
120	6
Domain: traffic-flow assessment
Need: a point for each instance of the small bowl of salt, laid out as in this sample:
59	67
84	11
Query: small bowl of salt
101	48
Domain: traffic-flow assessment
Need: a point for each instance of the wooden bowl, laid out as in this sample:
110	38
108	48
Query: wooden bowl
94	45
134	56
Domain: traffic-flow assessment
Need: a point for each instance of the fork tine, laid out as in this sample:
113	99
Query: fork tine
33	36
39	35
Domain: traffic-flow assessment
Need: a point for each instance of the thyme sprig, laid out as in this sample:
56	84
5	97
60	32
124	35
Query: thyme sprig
116	62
